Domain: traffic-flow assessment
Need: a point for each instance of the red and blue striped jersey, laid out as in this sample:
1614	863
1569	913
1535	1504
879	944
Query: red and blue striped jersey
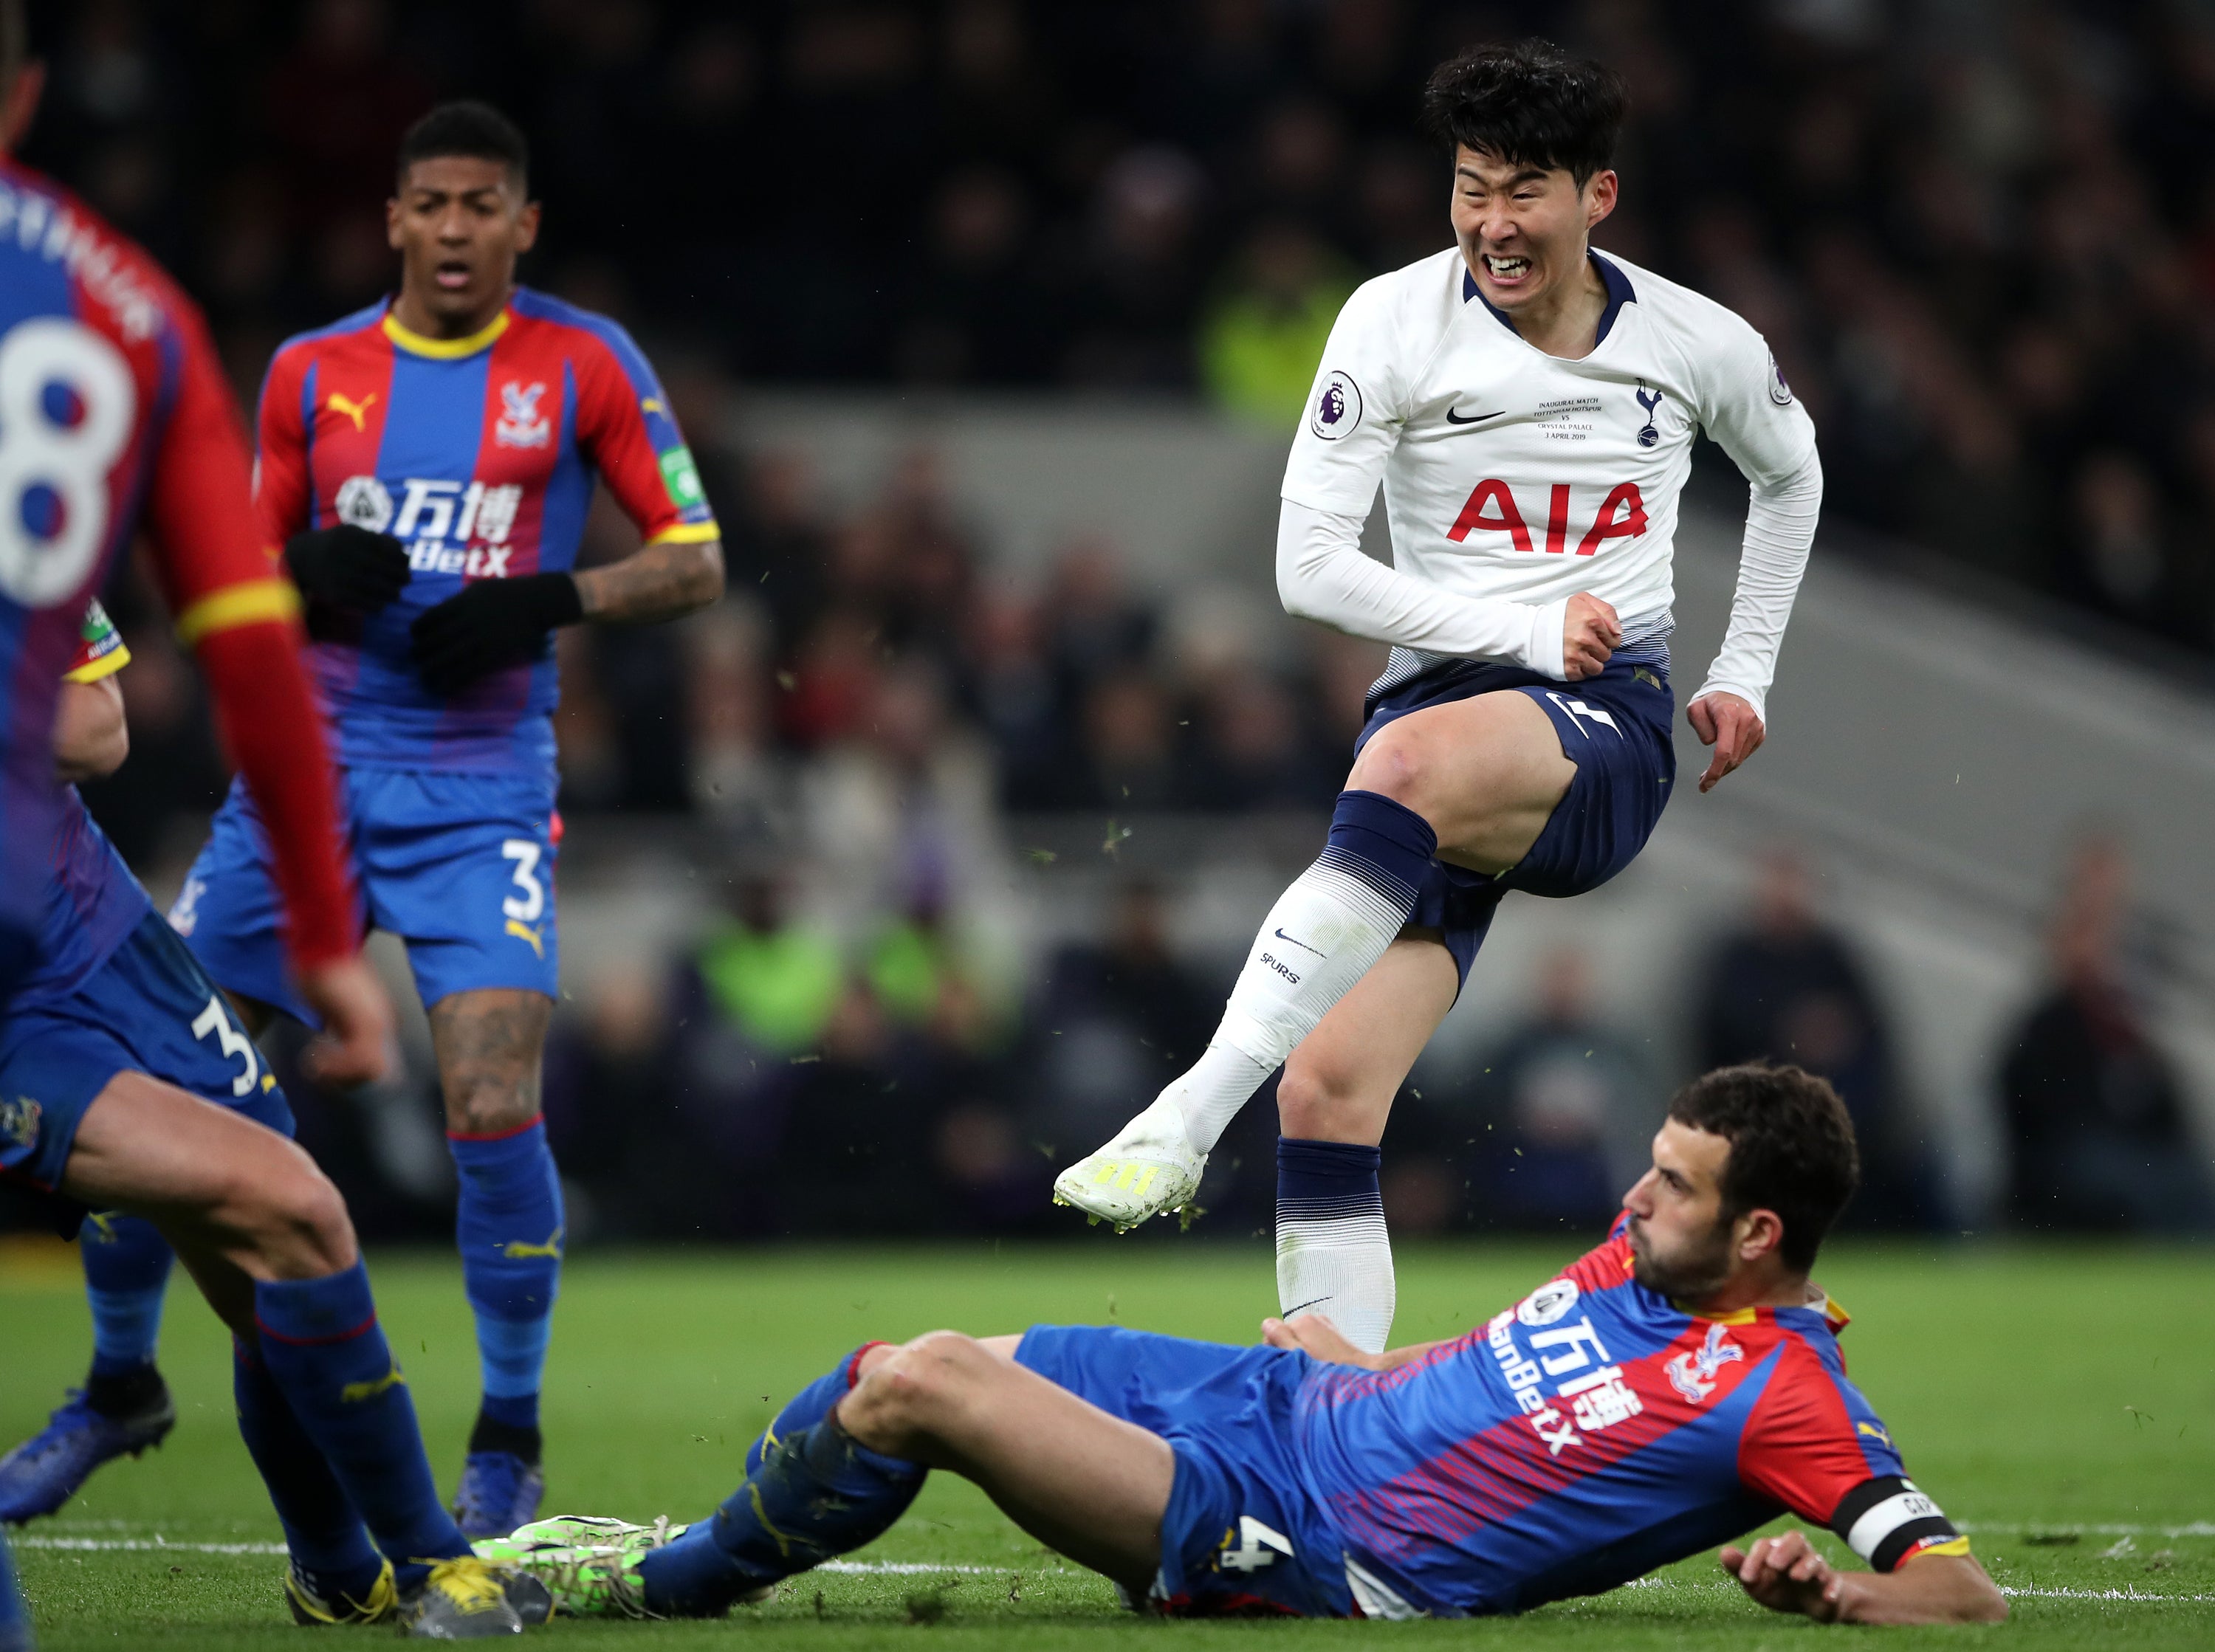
115	415
479	454
95	902
1592	1432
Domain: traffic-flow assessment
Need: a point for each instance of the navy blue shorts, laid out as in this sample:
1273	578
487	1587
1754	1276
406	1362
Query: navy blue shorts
1616	728
1242	1534
459	866
149	1008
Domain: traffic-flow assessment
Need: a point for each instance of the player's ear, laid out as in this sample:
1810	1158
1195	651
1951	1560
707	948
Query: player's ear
1759	1233
1600	195
526	227
392	237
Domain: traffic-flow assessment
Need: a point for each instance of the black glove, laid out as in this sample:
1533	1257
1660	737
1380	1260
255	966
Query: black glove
491	624
346	567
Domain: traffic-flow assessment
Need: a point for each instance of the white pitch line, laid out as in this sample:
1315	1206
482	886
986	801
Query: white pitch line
111	1544
924	1569
2102	1529
2139	1595
157	1544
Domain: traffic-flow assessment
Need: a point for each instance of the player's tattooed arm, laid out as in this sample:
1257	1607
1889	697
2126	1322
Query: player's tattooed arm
658	582
1786	1573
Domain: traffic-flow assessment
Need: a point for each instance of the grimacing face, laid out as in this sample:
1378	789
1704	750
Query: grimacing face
1523	230
1681	1242
459	223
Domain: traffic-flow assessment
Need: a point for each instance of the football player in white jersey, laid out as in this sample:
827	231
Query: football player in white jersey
1530	406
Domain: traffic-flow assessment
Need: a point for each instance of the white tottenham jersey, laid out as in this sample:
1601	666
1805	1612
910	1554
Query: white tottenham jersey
1513	475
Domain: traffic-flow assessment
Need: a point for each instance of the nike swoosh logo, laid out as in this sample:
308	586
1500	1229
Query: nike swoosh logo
1302	945
1304	1306
1453	417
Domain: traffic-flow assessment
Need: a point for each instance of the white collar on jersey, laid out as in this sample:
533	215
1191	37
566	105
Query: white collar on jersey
1619	293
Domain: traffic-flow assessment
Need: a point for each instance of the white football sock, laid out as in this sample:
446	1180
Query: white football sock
1322	936
1338	1262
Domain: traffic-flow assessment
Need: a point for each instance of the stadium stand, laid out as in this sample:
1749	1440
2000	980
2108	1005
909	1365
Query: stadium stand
1028	242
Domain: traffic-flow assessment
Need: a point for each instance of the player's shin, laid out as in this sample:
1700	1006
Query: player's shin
1333	1257
321	1343
324	1533
817	1494
126	1273
509	1228
1322	936
809	1406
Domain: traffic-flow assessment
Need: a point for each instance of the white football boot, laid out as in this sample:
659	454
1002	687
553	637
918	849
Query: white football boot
1150	1168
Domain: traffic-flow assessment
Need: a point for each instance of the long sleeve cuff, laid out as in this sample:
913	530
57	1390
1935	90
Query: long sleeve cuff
1780	530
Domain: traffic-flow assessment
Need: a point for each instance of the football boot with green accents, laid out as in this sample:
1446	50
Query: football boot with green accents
589	1582
579	1531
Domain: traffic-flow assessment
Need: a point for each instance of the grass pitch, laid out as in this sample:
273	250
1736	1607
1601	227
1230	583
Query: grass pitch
2060	1403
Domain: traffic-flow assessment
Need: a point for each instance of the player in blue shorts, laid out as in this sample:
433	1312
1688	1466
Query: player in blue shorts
429	462
117	418
1675	1388
1528	405
118	995
124	1405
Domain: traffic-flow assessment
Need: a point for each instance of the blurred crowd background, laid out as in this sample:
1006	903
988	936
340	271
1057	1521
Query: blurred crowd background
1979	234
1980	237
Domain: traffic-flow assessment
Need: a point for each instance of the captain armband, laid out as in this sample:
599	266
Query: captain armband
1886	1521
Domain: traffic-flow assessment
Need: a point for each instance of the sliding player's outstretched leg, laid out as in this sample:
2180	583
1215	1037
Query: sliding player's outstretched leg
1088	1485
1474	782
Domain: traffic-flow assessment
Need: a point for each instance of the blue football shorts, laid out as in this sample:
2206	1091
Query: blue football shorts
149	1008
1615	727
1242	1534
459	866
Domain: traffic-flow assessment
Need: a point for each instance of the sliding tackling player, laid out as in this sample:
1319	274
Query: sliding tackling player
1677	1387
1530	406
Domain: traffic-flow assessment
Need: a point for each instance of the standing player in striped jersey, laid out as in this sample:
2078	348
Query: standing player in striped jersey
1530	406
113	415
428	462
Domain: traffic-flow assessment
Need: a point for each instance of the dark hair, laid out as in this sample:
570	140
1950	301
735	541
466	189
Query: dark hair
1529	103
1791	1147
477	130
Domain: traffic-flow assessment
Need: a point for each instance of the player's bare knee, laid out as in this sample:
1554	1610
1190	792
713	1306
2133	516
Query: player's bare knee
1320	1100
909	1394
1396	763
487	1106
925	1381
296	1219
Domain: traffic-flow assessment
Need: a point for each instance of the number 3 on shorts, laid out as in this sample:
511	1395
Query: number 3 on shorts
234	1042
526	907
